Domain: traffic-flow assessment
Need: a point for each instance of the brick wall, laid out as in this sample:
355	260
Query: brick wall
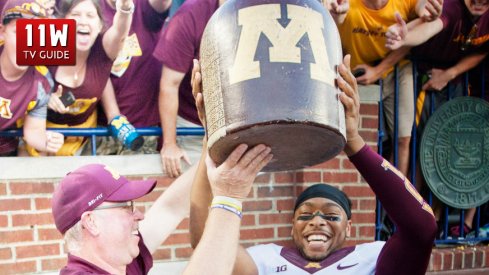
30	243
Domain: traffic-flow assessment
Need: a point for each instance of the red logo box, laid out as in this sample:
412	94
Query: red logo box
46	42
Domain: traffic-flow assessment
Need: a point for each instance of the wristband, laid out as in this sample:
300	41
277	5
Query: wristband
228	208
119	7
231	202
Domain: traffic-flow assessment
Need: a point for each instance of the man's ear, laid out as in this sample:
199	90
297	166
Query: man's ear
89	222
292	229
2	30
348	228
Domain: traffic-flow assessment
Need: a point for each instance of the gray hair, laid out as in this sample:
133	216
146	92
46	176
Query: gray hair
73	237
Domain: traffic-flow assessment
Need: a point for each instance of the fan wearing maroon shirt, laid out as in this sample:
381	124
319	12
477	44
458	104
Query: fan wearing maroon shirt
25	91
137	100
178	45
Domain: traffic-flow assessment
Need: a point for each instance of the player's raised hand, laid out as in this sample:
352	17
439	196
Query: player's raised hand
351	101
396	33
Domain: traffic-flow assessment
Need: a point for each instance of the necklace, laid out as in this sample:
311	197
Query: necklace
75	75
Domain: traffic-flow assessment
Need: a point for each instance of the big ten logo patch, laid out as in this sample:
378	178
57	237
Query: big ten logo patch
284	35
46	42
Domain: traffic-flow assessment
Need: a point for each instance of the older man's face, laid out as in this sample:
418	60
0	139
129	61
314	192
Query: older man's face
477	7
119	232
318	236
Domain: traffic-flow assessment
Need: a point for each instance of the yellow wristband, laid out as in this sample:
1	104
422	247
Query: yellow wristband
232	202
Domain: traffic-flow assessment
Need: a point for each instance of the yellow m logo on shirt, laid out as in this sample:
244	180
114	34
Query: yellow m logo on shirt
5	108
262	19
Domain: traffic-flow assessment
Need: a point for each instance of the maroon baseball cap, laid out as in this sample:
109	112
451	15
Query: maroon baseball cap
89	186
15	9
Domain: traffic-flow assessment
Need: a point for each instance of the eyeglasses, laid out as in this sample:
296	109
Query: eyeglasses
467	42
128	205
308	217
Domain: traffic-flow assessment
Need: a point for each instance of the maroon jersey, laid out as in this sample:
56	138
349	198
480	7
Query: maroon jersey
15	101
407	252
179	44
140	265
90	91
136	73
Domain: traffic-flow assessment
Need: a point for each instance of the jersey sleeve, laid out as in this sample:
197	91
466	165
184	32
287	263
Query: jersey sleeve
44	86
408	250
176	46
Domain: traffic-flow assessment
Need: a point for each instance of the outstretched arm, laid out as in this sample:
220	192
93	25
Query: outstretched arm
35	133
170	152
113	39
109	102
413	34
201	195
440	78
167	212
408	250
231	182
374	73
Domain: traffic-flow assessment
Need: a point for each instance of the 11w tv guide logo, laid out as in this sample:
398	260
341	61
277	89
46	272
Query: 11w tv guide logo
46	42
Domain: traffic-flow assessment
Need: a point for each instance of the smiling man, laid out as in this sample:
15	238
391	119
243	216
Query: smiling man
93	207
322	215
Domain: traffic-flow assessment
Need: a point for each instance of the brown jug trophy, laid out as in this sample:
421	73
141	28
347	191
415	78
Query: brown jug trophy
268	76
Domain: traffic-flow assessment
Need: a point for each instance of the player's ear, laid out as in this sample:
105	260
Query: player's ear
2	29
348	228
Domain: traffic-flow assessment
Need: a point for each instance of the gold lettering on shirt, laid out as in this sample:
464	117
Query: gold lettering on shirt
81	105
5	108
262	19
409	186
313	265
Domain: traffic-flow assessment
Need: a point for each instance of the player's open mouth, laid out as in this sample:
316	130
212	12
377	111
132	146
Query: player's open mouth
316	238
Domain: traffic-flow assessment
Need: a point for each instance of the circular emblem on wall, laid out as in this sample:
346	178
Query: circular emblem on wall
455	152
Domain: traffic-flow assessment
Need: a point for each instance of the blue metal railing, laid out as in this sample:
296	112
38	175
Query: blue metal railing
104	132
444	238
